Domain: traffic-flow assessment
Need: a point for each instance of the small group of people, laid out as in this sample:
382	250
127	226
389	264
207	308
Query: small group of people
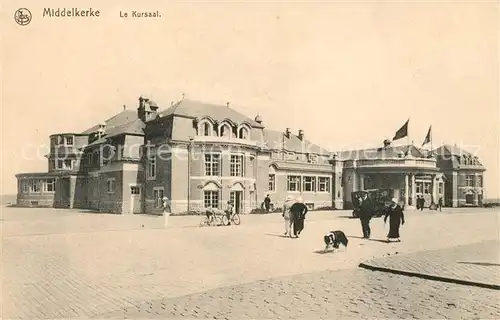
421	204
294	213
228	211
394	212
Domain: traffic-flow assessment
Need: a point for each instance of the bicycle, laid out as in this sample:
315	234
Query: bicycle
211	220
235	218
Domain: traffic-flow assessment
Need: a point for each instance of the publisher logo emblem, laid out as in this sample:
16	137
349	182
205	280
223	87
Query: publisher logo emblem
22	16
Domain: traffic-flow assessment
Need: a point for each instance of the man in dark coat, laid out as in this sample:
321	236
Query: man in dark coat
365	215
267	203
298	210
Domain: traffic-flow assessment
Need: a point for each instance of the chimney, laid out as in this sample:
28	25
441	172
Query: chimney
227	104
287	132
387	143
101	131
124	107
301	134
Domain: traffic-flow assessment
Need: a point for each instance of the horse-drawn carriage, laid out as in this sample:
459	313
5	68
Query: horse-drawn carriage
380	199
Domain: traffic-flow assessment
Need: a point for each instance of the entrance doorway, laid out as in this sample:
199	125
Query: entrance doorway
236	198
135	199
469	198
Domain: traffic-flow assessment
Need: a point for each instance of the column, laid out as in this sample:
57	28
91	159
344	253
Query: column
361	181
354	176
433	189
406	190
413	191
476	190
354	181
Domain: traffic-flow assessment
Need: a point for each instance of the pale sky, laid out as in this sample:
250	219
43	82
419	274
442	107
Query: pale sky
348	74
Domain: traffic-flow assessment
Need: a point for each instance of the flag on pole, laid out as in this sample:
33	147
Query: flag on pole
428	137
402	132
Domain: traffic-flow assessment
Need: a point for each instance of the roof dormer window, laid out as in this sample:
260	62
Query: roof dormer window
243	133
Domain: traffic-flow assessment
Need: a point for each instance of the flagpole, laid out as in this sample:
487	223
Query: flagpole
408	137
431	141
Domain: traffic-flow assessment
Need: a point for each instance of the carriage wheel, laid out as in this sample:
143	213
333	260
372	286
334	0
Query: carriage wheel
225	221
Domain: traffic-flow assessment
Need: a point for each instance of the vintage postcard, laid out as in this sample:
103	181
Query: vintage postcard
250	159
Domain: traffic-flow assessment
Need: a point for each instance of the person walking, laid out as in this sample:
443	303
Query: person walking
440	203
422	203
365	215
396	218
299	210
229	212
267	203
166	210
289	201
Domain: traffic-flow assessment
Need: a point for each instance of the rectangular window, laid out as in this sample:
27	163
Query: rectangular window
157	197
236	166
60	164
479	181
110	185
440	188
312	158
323	184
419	187
135	190
69	141
60	140
469	180
309	184
272	182
68	164
52	164
427	187
293	183
50	185
25	186
151	169
35	186
212	164
211	199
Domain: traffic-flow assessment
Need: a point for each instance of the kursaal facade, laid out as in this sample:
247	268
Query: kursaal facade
200	155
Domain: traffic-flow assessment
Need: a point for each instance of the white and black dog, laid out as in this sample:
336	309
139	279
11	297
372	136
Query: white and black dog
334	239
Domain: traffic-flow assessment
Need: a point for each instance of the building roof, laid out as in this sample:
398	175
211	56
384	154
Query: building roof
135	127
274	140
447	150
198	109
120	119
382	152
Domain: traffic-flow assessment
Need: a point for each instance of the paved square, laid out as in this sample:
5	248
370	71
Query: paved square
62	263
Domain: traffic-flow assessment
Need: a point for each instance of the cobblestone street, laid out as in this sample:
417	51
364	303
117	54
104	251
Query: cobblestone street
62	264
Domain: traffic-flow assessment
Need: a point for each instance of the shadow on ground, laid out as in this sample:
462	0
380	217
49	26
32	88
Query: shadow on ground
486	264
377	240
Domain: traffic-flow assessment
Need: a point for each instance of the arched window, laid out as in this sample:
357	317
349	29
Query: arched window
206	129
225	131
243	133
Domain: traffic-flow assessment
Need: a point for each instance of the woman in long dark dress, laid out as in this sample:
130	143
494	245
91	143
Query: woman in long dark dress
396	218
